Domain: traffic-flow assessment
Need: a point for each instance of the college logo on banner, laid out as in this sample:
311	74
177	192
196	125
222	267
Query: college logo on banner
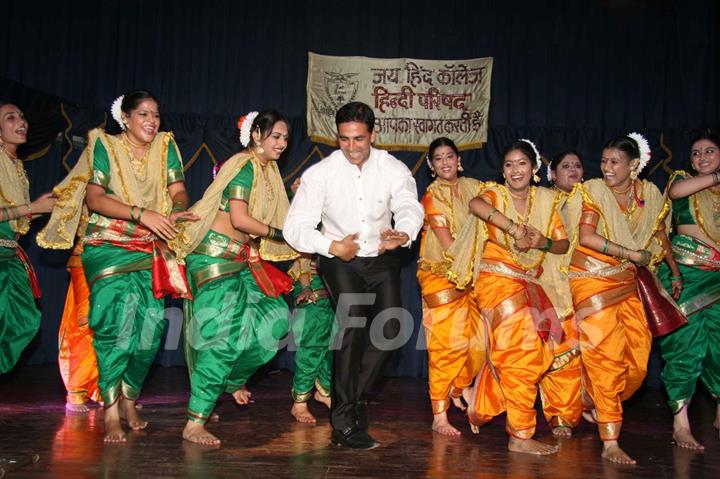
415	101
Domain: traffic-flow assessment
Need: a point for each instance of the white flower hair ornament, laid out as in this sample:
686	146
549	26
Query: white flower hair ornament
644	147
116	111
427	160
244	124
538	160
549	172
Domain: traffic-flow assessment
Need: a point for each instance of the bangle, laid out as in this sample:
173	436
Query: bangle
29	211
492	213
526	233
306	288
177	207
676	278
606	246
511	228
132	214
139	217
274	234
621	253
548	245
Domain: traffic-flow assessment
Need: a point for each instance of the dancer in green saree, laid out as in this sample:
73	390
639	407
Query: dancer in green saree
693	351
237	315
134	189
313	329
19	315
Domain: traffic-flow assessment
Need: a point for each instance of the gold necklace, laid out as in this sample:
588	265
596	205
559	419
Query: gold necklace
622	192
10	155
263	170
448	183
526	213
453	187
19	167
139	165
630	203
136	145
517	197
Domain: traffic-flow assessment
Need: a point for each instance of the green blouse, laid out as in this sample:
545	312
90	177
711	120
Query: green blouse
239	188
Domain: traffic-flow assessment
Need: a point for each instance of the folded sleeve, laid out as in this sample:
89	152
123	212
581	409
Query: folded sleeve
304	216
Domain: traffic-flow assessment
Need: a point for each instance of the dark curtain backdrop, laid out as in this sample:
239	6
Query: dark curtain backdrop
567	74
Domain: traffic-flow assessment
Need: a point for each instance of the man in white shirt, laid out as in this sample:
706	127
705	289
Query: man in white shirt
355	193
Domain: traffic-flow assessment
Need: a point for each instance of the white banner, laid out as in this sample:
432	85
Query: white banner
415	101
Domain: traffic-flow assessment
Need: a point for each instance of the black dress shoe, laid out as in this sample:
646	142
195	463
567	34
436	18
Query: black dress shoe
353	438
361	414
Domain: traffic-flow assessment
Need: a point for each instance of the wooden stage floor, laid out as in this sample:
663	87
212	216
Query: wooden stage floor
262	440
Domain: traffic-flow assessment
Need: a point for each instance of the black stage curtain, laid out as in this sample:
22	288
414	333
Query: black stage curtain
566	74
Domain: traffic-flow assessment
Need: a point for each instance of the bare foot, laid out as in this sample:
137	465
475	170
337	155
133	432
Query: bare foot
322	399
590	416
681	431
531	446
196	432
466	398
562	431
242	396
301	413
684	438
613	453
128	411
76	408
114	432
442	426
458	403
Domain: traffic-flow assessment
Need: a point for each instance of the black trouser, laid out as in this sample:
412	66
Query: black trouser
361	289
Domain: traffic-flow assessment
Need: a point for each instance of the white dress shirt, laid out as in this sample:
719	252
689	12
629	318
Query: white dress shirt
347	200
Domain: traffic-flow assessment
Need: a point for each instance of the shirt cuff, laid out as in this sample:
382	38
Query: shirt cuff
408	230
322	246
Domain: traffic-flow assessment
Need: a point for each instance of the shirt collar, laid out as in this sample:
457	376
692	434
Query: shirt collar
371	161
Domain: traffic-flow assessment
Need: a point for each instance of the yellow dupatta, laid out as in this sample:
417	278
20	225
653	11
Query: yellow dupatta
14	190
452	212
148	192
636	228
268	204
705	210
467	250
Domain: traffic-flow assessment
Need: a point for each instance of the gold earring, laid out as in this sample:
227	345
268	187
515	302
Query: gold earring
258	147
460	167
634	175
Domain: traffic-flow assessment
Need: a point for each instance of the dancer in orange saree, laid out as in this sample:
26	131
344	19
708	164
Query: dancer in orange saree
450	316
76	354
622	223
504	252
560	387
